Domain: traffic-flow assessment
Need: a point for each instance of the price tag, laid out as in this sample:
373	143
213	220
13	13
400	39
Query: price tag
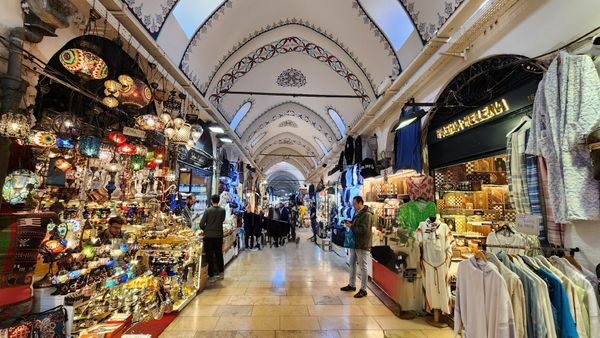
134	132
528	224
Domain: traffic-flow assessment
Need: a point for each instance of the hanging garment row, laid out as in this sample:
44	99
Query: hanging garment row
525	296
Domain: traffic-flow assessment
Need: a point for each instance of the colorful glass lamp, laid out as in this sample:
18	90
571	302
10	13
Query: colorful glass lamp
89	146
83	64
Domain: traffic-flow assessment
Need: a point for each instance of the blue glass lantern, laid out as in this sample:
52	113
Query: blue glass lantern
89	146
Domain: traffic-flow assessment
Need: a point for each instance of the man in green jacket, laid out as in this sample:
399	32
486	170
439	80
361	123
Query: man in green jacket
361	227
212	225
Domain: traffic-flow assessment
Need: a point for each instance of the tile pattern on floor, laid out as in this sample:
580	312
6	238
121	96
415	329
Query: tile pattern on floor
290	292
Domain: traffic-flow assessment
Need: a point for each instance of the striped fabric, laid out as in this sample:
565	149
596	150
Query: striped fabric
533	189
554	231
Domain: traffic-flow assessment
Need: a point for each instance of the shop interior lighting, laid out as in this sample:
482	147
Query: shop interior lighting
410	119
225	139
215	128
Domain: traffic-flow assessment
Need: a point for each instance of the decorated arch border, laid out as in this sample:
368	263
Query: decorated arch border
281	47
152	22
287	139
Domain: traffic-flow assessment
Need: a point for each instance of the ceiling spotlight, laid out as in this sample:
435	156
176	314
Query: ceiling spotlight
225	139
215	128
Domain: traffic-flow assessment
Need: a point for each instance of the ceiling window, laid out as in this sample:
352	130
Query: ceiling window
391	18
192	13
322	146
338	121
257	138
239	115
314	161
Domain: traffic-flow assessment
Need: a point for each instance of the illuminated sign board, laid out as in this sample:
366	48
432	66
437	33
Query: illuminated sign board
472	119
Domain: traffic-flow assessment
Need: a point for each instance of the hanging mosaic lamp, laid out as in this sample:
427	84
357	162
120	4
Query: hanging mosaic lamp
44	139
150	156
117	137
62	164
83	64
151	165
182	134
159	155
14	125
66	124
110	102
126	149
149	122
89	146
113	166
134	93
137	162
106	153
18	185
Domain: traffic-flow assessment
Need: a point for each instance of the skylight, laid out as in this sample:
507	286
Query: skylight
391	18
338	121
257	138
192	13
322	146
245	108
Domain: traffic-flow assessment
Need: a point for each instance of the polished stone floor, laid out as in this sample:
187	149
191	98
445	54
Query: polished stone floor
290	292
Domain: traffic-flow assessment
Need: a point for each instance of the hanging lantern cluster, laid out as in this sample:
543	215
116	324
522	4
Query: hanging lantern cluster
128	91
179	132
89	146
106	153
117	137
84	64
18	185
66	124
15	125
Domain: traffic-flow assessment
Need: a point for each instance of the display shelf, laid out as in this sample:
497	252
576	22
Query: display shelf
185	302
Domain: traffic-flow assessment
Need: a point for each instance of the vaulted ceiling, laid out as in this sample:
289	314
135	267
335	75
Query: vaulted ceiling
291	77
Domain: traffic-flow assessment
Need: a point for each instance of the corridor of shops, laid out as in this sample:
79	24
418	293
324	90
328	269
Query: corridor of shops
292	291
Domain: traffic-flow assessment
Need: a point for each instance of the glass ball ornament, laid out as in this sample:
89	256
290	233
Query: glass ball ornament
117	137
84	64
126	149
169	132
178	122
65	124
149	122
166	118
89	146
14	125
18	185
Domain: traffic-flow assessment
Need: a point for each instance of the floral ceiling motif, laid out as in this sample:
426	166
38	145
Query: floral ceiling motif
291	77
287	139
151	14
288	123
280	47
429	16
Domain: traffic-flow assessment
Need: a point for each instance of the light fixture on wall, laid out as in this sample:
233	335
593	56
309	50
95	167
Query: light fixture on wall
409	119
225	139
215	128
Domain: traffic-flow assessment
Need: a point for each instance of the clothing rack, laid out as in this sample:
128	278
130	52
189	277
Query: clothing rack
571	251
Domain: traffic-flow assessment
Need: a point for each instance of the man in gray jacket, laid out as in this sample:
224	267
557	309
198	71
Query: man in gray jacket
212	225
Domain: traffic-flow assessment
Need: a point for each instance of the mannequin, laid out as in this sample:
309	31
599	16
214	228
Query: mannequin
436	244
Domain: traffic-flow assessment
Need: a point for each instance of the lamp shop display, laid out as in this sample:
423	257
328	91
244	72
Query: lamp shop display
84	176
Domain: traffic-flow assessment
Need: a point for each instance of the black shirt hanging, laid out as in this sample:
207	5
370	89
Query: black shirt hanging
349	151
358	151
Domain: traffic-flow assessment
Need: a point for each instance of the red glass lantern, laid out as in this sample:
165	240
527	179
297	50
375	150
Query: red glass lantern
117	137
126	149
133	92
159	155
151	165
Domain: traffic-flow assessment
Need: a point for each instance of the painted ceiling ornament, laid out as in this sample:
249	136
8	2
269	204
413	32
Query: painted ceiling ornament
151	14
291	77
18	185
288	123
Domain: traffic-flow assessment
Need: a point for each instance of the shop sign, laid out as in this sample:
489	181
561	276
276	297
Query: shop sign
134	132
470	120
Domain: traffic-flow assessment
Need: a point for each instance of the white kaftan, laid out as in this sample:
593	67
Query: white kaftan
483	308
437	241
565	111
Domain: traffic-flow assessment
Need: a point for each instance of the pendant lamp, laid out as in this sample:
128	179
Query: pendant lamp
134	93
89	146
84	64
14	125
117	137
137	162
18	185
126	149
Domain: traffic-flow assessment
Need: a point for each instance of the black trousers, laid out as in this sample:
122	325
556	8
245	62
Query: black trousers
213	248
249	238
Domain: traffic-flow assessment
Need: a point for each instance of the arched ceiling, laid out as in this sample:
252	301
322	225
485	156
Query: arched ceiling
293	60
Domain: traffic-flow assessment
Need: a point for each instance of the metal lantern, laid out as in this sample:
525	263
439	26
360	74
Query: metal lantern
83	64
126	149
134	93
66	124
89	146
106	154
14	125
117	137
136	162
18	185
149	122
182	134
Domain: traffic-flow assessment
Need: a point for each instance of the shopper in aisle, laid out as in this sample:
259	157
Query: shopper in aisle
115	224
302	211
212	225
361	227
313	221
249	227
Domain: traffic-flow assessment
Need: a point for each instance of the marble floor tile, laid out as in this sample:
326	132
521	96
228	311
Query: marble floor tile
280	310
348	323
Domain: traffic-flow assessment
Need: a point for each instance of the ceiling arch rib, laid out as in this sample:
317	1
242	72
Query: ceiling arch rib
285	153
268	162
291	44
290	140
273	117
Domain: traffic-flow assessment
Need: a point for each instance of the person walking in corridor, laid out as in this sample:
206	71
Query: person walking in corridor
361	227
212	225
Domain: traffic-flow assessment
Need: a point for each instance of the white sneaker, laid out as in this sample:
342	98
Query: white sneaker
221	276
212	279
